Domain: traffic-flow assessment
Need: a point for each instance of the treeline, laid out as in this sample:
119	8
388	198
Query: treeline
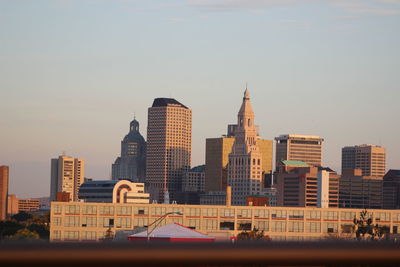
26	226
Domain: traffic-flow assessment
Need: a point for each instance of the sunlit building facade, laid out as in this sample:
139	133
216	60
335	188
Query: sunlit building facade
82	221
169	146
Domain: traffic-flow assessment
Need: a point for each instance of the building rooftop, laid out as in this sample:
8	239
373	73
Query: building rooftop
300	136
165	102
200	168
294	163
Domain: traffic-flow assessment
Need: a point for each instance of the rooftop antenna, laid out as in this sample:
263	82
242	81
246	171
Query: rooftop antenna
246	85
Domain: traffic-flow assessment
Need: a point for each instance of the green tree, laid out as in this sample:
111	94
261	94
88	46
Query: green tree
25	234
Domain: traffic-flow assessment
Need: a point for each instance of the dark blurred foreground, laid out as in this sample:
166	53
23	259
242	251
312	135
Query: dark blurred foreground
217	254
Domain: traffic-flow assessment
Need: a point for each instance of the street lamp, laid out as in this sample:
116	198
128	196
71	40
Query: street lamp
159	220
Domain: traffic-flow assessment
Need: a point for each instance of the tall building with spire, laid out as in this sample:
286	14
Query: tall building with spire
169	146
245	160
131	165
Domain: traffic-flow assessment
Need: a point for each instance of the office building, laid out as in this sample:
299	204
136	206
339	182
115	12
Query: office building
12	205
245	173
131	165
371	159
391	190
303	185
169	145
28	204
67	174
193	180
113	191
83	221
217	158
360	192
306	148
4	173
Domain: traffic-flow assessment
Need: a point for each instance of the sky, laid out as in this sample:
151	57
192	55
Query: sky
74	73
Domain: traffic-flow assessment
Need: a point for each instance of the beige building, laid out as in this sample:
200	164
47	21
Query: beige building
245	172
4	172
358	191
28	204
169	145
217	158
80	221
302	185
12	205
67	174
306	148
371	159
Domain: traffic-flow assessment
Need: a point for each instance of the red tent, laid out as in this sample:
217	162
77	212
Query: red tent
173	232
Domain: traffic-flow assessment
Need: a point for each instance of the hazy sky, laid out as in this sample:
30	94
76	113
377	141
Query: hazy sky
73	73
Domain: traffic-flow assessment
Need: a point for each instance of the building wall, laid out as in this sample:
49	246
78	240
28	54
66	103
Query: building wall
371	159
357	191
193	180
301	187
217	158
12	205
28	204
391	190
89	221
4	173
169	141
306	148
67	174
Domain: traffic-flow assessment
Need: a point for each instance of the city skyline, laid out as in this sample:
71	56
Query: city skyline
326	68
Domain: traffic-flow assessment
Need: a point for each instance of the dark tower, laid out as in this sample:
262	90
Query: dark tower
131	165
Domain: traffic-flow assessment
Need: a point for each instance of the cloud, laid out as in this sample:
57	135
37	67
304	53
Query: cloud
356	7
251	5
176	19
365	7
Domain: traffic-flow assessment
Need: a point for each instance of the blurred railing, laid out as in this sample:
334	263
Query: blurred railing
192	254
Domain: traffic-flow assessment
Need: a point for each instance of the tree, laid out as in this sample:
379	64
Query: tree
255	234
21	216
366	230
25	234
9	228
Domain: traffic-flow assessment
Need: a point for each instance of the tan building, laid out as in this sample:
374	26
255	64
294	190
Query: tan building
4	173
302	185
371	159
80	221
358	191
217	158
306	148
245	172
67	174
169	145
28	204
12	205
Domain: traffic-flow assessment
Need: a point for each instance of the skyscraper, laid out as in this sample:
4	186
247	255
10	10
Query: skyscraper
169	145
4	172
245	160
217	157
306	148
371	159
131	165
67	174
